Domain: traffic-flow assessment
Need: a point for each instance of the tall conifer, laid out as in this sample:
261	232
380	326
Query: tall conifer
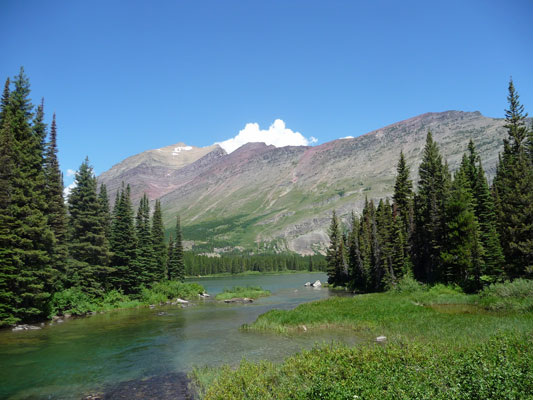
429	213
513	192
56	209
88	245
123	244
158	242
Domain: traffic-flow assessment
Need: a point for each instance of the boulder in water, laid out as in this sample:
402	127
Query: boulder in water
317	283
307	284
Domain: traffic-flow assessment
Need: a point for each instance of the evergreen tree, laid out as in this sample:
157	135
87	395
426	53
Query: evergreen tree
334	254
10	263
365	241
170	257
56	209
462	252
429	213
123	244
401	262
158	243
403	196
103	199
144	261
88	245
355	263
483	204
30	240
513	192
176	266
384	221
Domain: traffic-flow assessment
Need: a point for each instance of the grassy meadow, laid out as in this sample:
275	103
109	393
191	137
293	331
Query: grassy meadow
441	344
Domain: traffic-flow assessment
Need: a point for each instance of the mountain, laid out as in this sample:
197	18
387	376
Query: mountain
152	171
265	198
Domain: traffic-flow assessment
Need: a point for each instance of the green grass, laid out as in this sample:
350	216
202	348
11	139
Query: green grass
250	292
501	368
441	344
75	302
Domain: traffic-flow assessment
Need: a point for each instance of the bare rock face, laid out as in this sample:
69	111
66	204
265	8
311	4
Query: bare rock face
262	197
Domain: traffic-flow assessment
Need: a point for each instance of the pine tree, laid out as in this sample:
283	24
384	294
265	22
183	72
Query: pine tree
403	196
334	254
144	261
56	209
170	257
355	263
103	200
88	245
9	262
30	239
384	220
158	243
123	244
176	267
365	241
462	252
430	200
513	194
493	260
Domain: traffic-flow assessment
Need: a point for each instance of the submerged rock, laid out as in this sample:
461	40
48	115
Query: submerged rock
24	327
239	300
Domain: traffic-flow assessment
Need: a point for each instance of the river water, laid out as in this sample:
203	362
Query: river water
90	355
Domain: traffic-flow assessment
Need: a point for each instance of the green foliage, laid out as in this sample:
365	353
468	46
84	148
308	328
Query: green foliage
250	292
123	244
176	264
515	295
71	301
497	369
158	243
144	259
88	245
429	213
230	264
512	192
336	267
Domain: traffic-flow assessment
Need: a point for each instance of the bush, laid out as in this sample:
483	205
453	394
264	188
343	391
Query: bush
516	295
72	301
165	290
408	284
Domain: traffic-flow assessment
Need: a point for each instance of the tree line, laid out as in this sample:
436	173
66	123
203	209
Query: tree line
196	265
454	230
48	245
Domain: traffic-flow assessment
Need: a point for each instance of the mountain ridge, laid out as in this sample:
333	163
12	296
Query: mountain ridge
267	198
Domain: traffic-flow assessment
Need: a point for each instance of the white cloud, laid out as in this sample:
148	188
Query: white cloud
68	189
277	135
71	172
347	137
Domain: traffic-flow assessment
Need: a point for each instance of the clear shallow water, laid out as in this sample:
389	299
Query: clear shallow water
84	355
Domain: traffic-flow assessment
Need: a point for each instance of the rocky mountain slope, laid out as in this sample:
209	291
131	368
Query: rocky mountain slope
266	198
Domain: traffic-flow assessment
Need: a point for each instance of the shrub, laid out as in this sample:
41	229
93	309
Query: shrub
73	301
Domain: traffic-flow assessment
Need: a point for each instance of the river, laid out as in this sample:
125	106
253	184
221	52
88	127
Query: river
96	354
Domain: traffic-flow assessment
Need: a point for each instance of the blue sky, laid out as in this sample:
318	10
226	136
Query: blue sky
127	76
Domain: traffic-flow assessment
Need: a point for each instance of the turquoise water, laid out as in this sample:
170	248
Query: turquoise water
84	355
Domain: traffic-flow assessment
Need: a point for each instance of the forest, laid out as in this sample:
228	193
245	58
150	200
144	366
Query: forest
452	229
56	254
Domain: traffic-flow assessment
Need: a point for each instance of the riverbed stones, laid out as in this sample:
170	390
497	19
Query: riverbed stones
239	300
24	327
181	301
